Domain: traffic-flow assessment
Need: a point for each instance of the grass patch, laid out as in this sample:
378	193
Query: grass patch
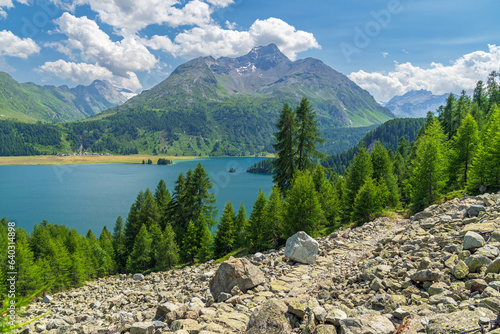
84	159
237	253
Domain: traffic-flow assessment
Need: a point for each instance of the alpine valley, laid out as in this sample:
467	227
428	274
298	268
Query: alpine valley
228	106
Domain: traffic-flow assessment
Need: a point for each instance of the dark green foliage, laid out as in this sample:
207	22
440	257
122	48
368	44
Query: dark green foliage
163	161
359	171
265	166
204	239
256	221
272	230
168	252
388	134
23	138
225	238
286	142
367	203
429	166
119	245
140	257
241	224
308	136
190	243
383	175
303	208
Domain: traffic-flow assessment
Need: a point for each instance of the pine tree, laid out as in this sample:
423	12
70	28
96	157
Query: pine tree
308	135
225	238
106	244
27	278
204	202
78	272
303	209
149	213
256	221
163	199
285	146
204	240
134	223
429	168
360	169
446	116
486	166
272	231
156	239
464	147
367	202
140	257
119	245
383	175
190	243
168	252
241	224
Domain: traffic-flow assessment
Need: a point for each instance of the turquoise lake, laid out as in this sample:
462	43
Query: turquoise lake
93	196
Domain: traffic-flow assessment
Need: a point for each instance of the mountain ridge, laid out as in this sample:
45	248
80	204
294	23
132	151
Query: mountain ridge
415	103
31	102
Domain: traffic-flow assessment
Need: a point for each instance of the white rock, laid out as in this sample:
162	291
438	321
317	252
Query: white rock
301	248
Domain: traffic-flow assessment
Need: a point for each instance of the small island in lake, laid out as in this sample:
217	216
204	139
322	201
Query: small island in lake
232	170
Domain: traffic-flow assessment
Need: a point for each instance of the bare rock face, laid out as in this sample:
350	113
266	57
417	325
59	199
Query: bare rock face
301	248
235	272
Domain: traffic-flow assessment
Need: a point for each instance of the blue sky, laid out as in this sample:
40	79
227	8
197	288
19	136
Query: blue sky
387	47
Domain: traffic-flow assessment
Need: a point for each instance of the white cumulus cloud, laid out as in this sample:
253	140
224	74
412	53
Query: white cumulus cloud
91	44
135	15
462	73
216	41
83	73
11	45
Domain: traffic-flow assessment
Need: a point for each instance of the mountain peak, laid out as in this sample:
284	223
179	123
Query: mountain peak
264	57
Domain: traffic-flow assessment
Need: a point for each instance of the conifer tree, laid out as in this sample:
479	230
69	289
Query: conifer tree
190	243
225	238
168	252
360	169
3	255
106	242
60	263
133	223
203	200
149	213
156	239
163	199
140	257
285	146
367	202
119	245
204	239
464	146
272	231
241	224
383	175
303	209
27	273
429	168
256	221
486	166
308	135
79	272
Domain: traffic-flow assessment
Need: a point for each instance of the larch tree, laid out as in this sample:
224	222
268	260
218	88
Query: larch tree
429	168
256	221
140	256
225	238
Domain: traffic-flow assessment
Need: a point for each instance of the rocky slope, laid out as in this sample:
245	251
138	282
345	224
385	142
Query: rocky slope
437	272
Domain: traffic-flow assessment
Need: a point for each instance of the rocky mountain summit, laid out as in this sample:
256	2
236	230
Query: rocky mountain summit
437	272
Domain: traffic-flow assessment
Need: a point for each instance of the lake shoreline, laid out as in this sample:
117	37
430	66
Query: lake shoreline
85	159
99	159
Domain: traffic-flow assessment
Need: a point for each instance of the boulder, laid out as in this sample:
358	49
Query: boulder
189	325
301	248
460	270
473	240
138	277
142	328
235	272
325	329
299	305
47	299
334	316
494	266
476	261
474	210
367	324
269	318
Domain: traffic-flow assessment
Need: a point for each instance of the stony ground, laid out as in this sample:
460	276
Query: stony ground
435	273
